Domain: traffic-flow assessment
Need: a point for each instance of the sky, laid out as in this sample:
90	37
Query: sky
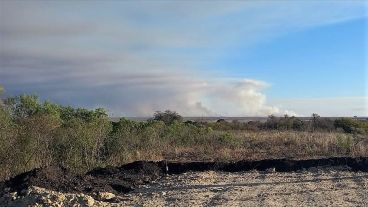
199	58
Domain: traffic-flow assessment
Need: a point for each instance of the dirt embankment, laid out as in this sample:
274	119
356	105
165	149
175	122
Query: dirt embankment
120	180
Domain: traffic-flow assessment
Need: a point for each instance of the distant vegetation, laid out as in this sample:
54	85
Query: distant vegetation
35	134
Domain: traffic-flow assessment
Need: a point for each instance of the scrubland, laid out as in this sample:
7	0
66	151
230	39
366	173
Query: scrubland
35	134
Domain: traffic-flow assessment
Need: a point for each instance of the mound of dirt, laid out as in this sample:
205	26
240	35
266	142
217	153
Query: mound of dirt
124	179
111	179
121	179
51	177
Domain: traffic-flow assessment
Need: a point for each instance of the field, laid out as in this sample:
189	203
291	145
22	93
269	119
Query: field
183	103
49	149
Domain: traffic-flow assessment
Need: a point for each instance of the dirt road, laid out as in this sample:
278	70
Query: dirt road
320	188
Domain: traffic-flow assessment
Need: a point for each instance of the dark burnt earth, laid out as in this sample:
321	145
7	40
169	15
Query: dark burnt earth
123	179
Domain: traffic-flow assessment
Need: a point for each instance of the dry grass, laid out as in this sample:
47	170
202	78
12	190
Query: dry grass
273	144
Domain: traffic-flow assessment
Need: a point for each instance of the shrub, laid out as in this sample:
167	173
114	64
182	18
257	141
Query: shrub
284	123
345	143
23	106
321	124
350	125
34	134
8	147
168	117
79	145
228	139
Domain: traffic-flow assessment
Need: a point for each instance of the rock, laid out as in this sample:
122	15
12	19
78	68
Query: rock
13	196
61	198
271	170
89	200
106	196
217	189
85	200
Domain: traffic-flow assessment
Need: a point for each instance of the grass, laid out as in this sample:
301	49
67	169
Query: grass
34	134
271	144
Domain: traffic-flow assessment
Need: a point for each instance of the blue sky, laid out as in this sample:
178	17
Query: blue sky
331	59
200	58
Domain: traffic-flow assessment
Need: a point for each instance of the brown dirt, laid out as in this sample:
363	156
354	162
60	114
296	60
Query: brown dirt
112	179
321	187
317	187
124	179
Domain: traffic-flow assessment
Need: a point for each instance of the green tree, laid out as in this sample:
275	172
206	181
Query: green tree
23	106
8	147
168	117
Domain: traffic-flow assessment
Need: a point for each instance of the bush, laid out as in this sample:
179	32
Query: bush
228	139
168	117
350	125
8	147
284	123
79	145
345	143
35	134
321	124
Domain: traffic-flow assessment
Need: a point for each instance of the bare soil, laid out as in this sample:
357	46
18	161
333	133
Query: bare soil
282	182
118	180
318	187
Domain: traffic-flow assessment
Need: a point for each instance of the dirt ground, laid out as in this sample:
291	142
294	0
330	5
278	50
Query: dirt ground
340	181
318	188
315	187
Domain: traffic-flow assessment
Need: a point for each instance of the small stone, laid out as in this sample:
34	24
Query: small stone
61	198
271	170
106	195
13	196
217	189
89	201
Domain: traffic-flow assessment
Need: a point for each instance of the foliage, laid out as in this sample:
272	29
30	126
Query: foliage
228	139
350	125
8	149
321	124
35	134
168	117
284	123
345	143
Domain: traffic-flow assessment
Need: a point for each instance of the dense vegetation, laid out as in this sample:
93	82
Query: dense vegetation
35	134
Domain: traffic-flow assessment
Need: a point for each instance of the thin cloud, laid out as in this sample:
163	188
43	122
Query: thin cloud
326	106
138	57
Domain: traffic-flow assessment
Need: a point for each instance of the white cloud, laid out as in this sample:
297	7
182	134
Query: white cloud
327	106
136	58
